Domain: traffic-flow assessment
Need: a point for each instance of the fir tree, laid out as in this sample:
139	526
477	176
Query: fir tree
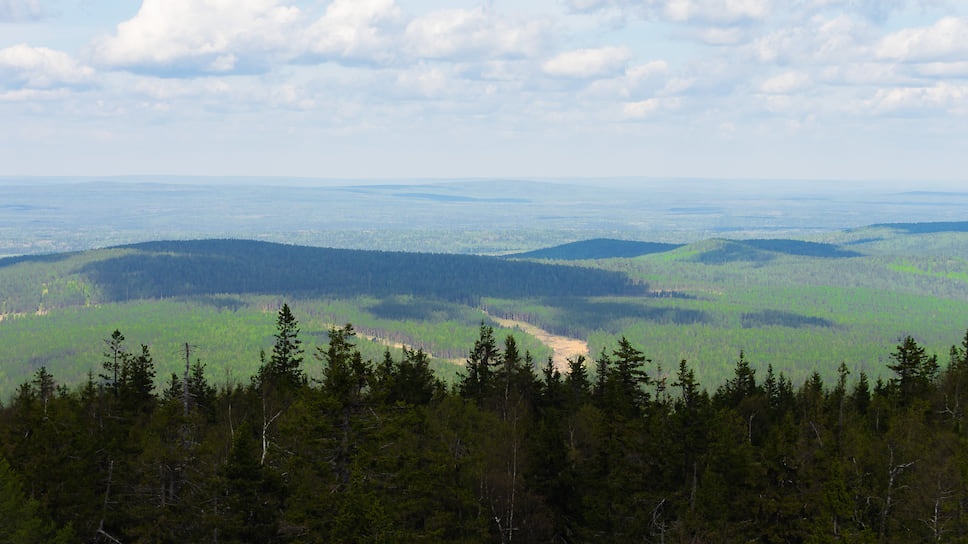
283	368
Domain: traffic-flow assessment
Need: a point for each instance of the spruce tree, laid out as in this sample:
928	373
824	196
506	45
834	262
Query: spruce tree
113	359
283	368
479	380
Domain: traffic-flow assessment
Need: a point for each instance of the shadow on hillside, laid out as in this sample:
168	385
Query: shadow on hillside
777	318
52	258
767	249
927	228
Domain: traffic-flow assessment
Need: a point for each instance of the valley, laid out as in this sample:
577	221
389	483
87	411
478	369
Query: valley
799	306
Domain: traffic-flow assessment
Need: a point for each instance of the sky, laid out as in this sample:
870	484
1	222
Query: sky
751	89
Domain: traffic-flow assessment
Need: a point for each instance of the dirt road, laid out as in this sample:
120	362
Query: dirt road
564	348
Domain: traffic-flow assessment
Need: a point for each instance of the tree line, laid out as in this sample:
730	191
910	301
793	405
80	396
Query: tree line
615	449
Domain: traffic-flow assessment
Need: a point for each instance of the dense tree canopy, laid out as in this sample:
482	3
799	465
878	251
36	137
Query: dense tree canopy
614	450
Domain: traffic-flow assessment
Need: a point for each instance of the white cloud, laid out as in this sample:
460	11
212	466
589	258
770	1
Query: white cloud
424	82
819	40
943	69
475	32
721	11
355	30
587	5
33	95
42	68
682	11
863	73
644	109
946	39
21	10
638	80
197	35
588	63
785	83
721	35
641	109
649	69
914	100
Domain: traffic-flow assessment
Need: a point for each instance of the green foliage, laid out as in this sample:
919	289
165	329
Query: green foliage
21	520
283	369
383	452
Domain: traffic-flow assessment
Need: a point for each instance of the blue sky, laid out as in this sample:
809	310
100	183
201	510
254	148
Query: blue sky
772	89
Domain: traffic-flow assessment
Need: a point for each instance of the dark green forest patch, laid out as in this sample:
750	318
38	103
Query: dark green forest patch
778	318
579	317
408	308
599	248
51	258
801	248
765	250
927	228
206	267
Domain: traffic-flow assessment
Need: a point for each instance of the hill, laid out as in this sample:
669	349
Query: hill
598	248
722	251
167	269
796	305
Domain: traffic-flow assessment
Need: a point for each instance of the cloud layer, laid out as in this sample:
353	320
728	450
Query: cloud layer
702	73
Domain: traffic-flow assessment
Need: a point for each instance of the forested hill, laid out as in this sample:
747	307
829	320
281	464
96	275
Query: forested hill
177	268
927	228
599	248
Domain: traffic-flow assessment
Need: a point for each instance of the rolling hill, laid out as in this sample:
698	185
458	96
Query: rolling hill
798	305
598	248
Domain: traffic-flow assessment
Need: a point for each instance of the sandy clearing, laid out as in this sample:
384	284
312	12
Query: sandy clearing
563	347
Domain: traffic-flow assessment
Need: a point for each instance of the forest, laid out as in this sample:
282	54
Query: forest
800	305
206	267
382	450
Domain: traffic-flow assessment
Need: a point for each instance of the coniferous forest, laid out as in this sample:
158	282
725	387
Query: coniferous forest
613	450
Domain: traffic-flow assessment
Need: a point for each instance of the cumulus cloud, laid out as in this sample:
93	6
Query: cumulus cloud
588	63
820	40
720	11
33	95
644	109
424	82
694	11
874	10
197	35
42	68
785	83
945	40
912	100
943	69
638	80
355	30
476	33
21	10
720	35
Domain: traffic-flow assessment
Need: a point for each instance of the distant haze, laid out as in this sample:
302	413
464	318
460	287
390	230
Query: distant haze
491	216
